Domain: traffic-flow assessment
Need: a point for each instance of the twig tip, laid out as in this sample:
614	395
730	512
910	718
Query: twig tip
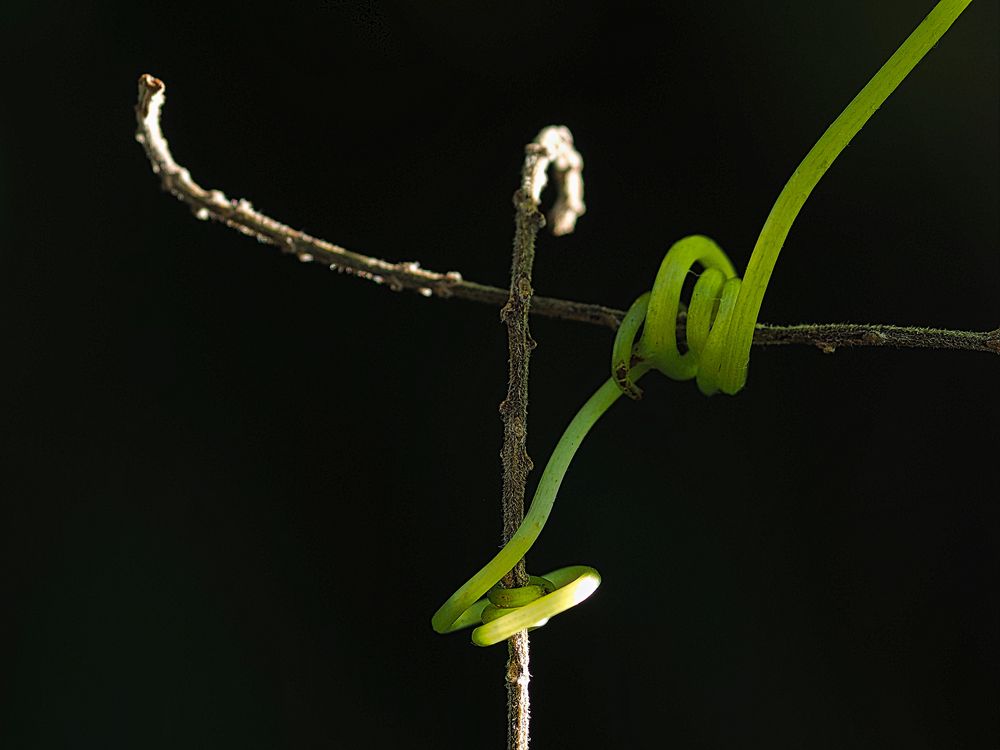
150	84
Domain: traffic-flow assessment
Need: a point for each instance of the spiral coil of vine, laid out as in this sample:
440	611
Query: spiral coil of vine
719	330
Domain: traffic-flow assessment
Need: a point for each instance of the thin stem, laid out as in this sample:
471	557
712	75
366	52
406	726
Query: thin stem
828	337
240	215
553	147
463	607
739	333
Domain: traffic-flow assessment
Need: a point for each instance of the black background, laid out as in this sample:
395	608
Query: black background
236	487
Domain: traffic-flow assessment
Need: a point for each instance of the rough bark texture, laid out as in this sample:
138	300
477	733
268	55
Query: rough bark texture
514	454
552	148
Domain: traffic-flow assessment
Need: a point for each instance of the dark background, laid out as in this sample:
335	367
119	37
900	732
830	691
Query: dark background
235	487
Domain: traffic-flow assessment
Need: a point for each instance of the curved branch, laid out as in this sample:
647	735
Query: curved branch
240	215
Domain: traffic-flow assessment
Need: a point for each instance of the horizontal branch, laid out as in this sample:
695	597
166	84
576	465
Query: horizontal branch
241	215
830	336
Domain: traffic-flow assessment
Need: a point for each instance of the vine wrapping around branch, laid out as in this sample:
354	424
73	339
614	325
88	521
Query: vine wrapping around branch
240	215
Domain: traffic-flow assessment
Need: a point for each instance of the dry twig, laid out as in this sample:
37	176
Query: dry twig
552	148
240	215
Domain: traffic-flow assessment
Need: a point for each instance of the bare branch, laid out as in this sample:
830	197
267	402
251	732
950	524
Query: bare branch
240	215
828	337
552	147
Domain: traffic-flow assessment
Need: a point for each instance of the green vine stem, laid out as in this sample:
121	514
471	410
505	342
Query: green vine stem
736	346
720	325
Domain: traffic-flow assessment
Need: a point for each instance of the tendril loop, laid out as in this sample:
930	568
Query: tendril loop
719	330
709	319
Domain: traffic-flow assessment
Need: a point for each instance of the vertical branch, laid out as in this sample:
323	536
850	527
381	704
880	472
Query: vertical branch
552	147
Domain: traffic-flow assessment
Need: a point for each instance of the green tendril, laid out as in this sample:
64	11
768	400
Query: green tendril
720	322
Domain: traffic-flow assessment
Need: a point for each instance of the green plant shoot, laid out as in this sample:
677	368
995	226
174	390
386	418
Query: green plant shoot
720	324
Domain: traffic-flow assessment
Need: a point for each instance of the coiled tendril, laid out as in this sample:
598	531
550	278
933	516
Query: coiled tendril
719	331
